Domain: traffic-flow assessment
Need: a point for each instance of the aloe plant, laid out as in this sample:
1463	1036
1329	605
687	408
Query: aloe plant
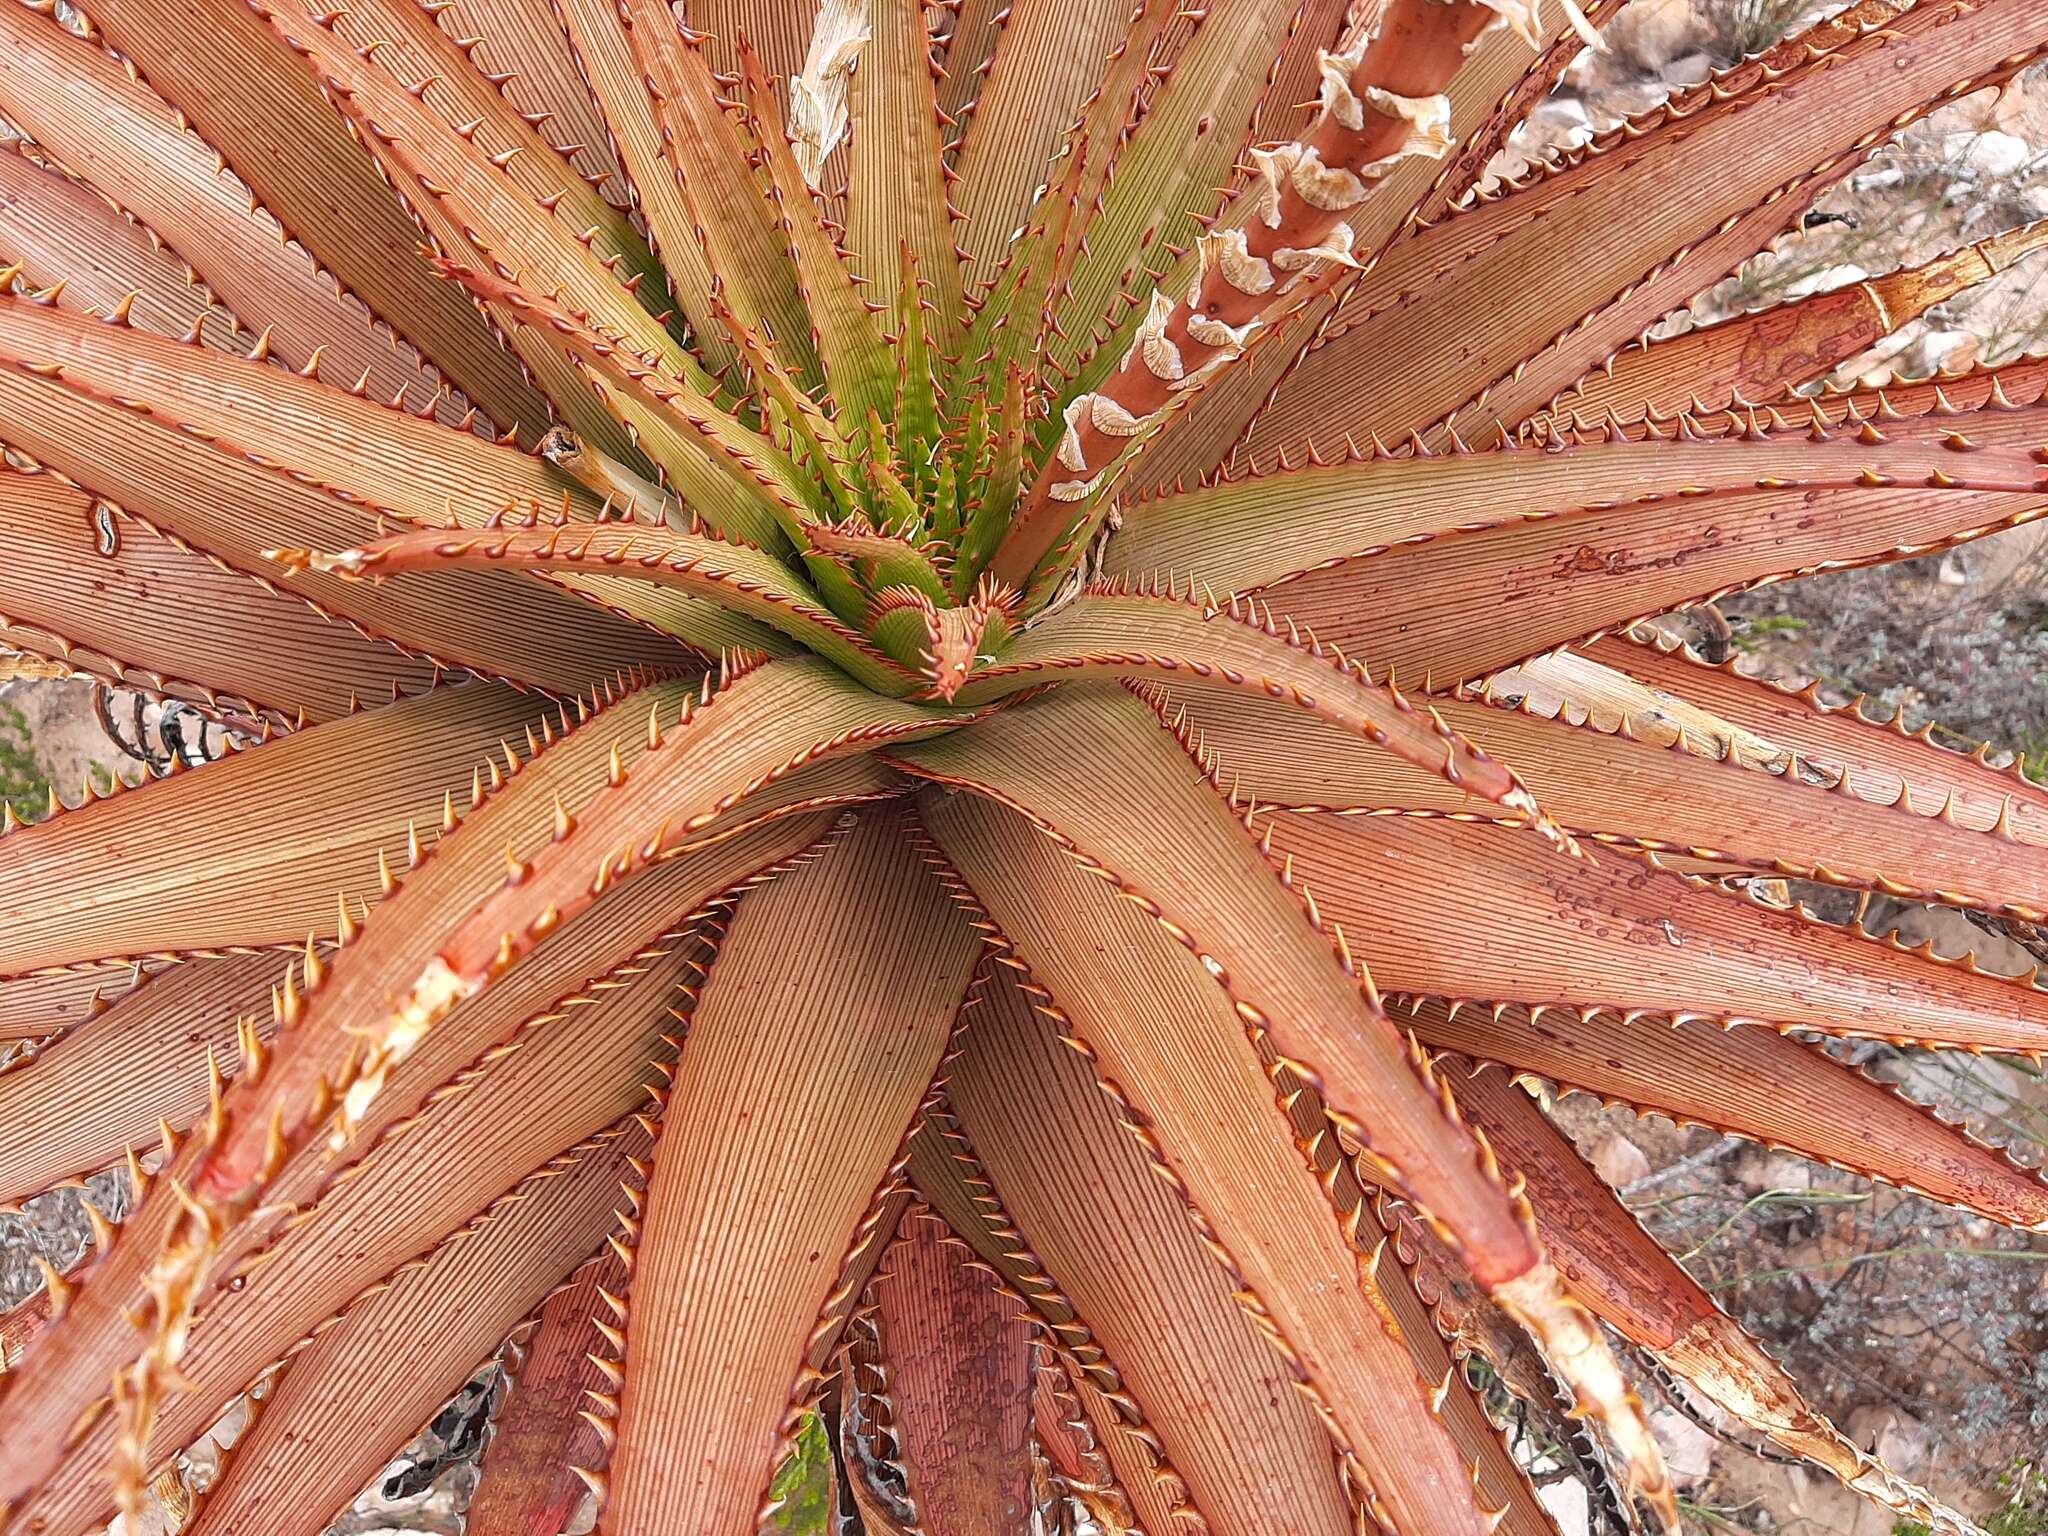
985	653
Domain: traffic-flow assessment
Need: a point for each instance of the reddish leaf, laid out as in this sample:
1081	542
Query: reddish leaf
1163	1036
1621	1272
355	1395
1647	777
91	1343
114	598
958	1355
245	96
1149	1492
108	1082
1112	1235
1752	1082
1415	893
525	1483
866	965
1428	335
250	850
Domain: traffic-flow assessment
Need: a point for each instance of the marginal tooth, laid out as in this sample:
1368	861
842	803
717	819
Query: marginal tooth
59	1288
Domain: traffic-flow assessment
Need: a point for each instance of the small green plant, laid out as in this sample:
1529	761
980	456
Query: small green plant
2025	1513
802	1487
24	782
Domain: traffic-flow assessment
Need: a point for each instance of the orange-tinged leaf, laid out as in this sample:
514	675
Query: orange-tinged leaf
410	970
525	1484
356	1394
112	597
566	1031
602	52
1502	1486
1203	875
1163	182
746	580
1228	645
737	480
1625	1276
1148	1492
1276	529
47	1003
1878	757
1610	222
1753	355
1113	1237
1158	1029
702	151
247	98
471	208
408	42
236	510
1457	606
383	460
61	230
1489	96
1609	932
1048	54
83	109
1749	1081
866	964
957	1352
105	1085
91	1343
897	196
523	49
252	849
1642	780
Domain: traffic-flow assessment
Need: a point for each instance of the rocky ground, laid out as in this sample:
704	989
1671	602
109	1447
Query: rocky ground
1923	1331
